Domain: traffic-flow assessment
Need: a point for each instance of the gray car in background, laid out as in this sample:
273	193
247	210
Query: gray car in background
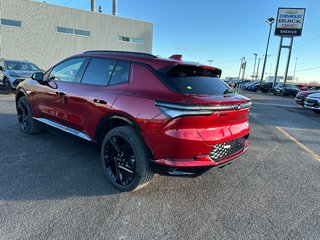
12	72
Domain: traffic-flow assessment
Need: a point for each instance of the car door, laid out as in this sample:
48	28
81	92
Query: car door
91	99
50	96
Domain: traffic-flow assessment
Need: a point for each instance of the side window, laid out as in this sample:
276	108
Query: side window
98	71
67	71
120	74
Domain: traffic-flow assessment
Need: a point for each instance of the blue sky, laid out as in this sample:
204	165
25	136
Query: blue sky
224	31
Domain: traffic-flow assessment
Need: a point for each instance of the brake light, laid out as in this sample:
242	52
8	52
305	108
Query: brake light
174	110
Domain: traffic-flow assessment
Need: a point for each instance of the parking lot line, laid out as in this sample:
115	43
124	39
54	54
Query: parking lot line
304	147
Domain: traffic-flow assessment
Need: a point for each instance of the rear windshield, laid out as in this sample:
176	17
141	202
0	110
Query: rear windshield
197	80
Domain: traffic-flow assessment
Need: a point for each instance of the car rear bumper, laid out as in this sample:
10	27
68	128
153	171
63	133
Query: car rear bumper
193	167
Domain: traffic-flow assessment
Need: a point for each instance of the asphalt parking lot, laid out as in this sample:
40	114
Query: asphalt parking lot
52	186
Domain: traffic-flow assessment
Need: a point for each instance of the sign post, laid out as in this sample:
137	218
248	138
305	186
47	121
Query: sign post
289	25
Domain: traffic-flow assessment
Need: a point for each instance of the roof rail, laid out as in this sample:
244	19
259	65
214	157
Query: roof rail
121	52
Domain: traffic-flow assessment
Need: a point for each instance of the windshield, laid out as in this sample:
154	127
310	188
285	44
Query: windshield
21	66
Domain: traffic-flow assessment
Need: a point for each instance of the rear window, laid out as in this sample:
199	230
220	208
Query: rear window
197	80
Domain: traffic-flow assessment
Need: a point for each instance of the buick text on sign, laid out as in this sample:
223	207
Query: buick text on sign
290	22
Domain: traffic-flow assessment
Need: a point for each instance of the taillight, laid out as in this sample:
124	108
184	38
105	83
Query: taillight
174	110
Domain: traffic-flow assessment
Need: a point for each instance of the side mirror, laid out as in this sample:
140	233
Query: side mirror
38	76
1	68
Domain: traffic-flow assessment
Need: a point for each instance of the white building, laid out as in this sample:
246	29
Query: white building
45	33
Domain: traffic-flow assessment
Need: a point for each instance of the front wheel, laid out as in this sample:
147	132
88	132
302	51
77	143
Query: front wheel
25	117
125	159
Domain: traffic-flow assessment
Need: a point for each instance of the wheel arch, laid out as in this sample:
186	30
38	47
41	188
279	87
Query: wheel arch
116	120
20	93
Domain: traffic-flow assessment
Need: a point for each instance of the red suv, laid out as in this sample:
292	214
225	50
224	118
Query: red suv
150	115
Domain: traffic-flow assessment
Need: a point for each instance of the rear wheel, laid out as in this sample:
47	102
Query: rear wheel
25	117
125	159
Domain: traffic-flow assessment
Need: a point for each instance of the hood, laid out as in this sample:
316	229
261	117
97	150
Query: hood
20	73
314	95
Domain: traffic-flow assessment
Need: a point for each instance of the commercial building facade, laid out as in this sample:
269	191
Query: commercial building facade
45	33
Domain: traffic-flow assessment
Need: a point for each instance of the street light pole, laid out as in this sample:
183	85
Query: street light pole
210	61
254	67
242	61
270	21
257	73
294	72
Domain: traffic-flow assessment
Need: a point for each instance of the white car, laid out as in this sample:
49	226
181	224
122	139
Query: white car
313	102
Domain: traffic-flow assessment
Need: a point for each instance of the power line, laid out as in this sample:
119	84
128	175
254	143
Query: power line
307	69
67	2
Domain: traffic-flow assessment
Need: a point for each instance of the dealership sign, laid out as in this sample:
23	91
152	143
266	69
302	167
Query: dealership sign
290	22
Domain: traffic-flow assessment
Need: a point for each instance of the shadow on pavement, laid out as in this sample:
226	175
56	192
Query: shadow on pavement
48	165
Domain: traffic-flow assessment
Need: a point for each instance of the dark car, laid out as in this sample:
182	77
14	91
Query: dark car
286	89
149	115
265	87
12	72
253	86
302	95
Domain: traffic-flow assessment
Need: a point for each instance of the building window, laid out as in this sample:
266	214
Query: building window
81	32
11	23
72	31
131	40
65	30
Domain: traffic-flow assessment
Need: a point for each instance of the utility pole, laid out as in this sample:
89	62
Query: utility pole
244	65
257	73
270	21
254	67
210	61
241	62
295	67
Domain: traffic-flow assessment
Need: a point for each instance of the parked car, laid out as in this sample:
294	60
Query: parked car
313	102
12	72
248	84
253	87
149	115
286	89
265	87
302	95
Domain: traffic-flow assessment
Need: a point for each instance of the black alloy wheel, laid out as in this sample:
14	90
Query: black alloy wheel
25	117
125	159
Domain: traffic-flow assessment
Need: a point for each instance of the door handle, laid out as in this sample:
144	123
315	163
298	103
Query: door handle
99	101
61	93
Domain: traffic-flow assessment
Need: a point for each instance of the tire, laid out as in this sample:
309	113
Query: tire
25	117
125	160
316	111
6	84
